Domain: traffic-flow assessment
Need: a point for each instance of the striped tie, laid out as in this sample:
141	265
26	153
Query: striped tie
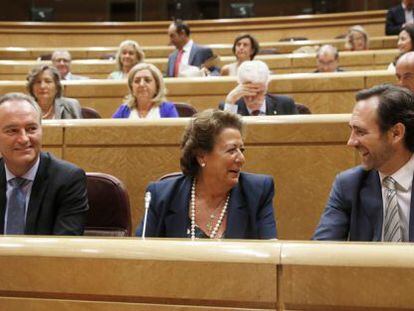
392	228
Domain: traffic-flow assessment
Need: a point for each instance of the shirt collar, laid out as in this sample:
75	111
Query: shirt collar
404	176
188	46
29	175
405	8
262	108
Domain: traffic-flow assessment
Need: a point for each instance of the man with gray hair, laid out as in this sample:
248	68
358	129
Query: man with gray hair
327	59
250	97
61	59
404	70
39	194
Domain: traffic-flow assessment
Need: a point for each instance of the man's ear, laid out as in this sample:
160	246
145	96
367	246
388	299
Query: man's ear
397	132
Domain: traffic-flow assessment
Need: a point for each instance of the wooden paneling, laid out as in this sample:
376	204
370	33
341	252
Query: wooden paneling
321	26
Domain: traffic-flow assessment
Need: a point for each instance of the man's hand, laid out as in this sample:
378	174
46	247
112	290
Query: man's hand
245	89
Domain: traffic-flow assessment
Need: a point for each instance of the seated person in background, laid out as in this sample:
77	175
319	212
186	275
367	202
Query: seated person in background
245	47
405	43
327	59
129	54
213	198
373	202
399	16
62	61
187	52
146	97
43	83
405	71
356	39
39	193
250	96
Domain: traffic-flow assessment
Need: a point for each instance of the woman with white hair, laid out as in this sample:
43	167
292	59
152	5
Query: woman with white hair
250	97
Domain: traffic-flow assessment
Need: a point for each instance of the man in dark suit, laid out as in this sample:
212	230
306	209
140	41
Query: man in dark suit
250	97
398	16
39	194
187	53
374	201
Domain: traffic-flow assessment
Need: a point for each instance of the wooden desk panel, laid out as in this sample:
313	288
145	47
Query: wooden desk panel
84	272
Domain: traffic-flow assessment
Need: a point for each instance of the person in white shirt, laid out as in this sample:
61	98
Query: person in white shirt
187	52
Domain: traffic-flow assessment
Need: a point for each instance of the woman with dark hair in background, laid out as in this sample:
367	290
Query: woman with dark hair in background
245	47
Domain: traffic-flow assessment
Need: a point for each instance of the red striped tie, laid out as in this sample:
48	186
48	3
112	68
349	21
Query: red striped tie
178	62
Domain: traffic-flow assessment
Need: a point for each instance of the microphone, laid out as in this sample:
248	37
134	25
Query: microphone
147	200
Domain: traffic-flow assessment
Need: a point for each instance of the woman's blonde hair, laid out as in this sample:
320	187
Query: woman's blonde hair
349	44
138	50
159	82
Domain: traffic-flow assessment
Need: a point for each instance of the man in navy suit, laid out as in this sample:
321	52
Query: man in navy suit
382	131
250	97
187	53
39	194
398	16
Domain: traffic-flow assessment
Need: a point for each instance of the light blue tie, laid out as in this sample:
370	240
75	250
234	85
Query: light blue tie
16	207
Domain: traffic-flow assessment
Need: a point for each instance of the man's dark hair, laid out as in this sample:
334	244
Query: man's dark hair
396	105
181	26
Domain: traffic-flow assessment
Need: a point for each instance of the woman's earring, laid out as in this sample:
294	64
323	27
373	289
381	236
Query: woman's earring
203	164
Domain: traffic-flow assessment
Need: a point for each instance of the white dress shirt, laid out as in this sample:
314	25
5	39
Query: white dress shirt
403	186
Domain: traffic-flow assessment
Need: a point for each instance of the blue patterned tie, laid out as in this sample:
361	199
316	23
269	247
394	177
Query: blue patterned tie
392	224
16	207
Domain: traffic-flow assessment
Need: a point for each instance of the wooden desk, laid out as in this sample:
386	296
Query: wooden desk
56	273
162	51
319	26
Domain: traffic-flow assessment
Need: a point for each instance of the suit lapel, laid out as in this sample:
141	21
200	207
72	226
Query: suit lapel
192	54
172	64
237	219
39	187
176	218
371	207
411	222
271	106
242	108
3	188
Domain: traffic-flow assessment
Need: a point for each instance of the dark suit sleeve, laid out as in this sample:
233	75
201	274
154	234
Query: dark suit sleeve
392	26
265	218
335	220
72	204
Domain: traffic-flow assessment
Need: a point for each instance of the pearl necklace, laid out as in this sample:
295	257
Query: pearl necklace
192	212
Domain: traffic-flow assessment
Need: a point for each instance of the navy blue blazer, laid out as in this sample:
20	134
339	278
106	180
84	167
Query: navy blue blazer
355	210
275	105
394	21
198	55
250	210
58	202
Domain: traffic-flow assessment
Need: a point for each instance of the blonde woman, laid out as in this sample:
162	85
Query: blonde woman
129	54
147	95
356	39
